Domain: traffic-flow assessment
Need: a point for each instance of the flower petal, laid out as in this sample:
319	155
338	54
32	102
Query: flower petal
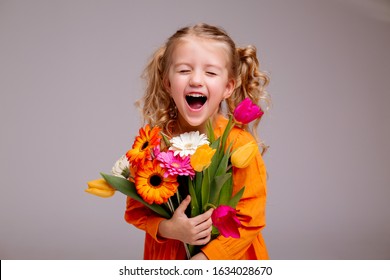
152	184
247	111
225	220
100	188
186	143
243	155
143	145
201	159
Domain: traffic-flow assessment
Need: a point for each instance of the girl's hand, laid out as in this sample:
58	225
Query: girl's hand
193	231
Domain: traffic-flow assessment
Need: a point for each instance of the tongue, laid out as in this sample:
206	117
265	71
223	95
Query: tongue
196	104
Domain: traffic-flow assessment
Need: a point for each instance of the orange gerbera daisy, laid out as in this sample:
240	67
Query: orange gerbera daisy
143	145
151	184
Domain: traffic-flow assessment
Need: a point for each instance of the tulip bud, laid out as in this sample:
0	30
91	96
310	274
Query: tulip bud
243	155
100	188
225	220
247	111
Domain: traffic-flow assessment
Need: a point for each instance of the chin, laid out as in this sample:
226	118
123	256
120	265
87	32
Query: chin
193	124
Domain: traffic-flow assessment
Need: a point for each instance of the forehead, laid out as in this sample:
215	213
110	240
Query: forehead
194	47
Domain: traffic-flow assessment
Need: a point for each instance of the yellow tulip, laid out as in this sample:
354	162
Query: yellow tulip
201	159
243	155
100	188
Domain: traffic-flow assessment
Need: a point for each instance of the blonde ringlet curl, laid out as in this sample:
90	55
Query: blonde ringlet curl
157	105
250	82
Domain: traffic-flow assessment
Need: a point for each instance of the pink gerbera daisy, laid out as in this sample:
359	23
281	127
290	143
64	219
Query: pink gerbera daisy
175	165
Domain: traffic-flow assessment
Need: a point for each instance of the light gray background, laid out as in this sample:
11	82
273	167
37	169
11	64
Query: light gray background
70	72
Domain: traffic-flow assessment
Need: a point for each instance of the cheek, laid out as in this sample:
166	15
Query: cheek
177	83
219	86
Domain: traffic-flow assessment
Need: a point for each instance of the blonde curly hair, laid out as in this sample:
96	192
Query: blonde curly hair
158	108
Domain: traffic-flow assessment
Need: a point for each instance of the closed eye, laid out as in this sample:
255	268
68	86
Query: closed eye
211	73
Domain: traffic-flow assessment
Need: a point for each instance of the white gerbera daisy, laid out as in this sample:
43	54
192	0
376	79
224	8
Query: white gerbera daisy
186	144
121	167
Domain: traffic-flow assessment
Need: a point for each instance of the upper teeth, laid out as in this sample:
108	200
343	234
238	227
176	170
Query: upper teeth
195	95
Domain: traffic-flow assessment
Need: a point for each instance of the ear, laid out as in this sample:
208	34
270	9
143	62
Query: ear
231	84
167	84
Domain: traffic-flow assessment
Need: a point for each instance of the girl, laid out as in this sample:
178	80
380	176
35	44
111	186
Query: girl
188	79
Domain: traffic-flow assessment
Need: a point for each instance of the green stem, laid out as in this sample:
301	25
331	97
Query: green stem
187	251
170	205
208	206
178	198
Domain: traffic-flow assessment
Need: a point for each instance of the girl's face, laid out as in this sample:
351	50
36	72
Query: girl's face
198	80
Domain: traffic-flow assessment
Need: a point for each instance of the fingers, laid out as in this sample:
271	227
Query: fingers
194	231
203	217
203	223
184	204
202	226
203	237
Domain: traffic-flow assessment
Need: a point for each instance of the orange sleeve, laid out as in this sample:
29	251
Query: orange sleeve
250	209
143	218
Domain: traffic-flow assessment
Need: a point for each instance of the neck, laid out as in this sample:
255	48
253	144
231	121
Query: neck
180	126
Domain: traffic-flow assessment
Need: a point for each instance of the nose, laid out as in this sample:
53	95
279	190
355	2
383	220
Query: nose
196	79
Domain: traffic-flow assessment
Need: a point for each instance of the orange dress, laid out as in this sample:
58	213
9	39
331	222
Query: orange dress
250	211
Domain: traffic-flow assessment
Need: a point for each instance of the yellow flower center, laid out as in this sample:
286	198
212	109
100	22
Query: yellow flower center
188	146
175	164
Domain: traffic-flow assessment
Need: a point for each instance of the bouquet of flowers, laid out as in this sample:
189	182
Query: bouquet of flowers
156	167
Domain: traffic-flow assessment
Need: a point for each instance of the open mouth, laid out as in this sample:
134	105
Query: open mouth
196	101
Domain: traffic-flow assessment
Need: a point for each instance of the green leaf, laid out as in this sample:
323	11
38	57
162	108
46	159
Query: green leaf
194	199
210	131
220	161
226	132
216	187
198	183
128	188
214	232
236	198
215	144
165	139
226	192
223	163
205	189
215	160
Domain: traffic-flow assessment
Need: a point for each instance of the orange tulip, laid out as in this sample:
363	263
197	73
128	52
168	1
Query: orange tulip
100	188
201	159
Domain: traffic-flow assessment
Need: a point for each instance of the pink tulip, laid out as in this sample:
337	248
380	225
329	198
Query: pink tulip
225	220
247	111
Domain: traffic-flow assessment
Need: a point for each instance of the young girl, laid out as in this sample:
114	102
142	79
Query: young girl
188	79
